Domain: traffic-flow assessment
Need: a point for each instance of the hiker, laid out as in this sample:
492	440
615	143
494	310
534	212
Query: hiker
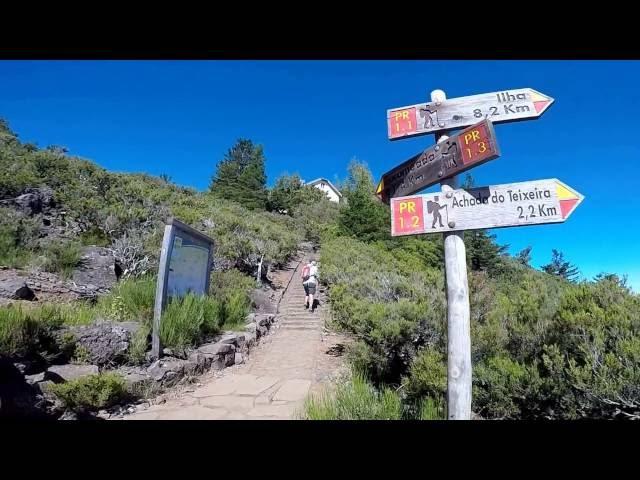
309	282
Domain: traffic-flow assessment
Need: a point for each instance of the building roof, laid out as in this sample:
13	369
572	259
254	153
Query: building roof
318	180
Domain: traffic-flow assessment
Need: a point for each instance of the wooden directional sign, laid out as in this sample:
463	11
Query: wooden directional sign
509	205
469	148
503	106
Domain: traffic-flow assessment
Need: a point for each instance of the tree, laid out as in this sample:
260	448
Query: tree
364	216
241	177
524	256
290	193
483	253
560	267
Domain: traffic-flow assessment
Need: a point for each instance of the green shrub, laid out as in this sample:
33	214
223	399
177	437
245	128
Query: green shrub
355	399
189	320
139	345
92	393
26	332
62	258
130	299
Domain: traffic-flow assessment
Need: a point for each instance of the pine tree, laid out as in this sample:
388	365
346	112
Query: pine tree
560	267
483	253
524	256
241	177
364	216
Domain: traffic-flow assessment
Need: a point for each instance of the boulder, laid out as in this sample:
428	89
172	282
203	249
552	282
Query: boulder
264	319
229	359
217	348
96	270
250	339
66	373
33	379
263	300
230	338
167	371
106	342
14	286
201	361
250	327
238	359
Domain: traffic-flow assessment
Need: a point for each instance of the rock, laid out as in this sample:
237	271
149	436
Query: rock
202	361
14	286
107	342
166	371
230	338
33	379
263	300
238	359
250	327
167	351
261	331
36	285
250	318
68	415
264	319
96	270
66	373
216	348
229	359
250	339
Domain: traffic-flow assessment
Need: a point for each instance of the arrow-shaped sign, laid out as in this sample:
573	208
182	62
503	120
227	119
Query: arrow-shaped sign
509	205
504	106
469	148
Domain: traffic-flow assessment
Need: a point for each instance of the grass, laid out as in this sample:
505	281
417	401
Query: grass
131	299
188	320
62	258
26	331
355	399
139	344
92	393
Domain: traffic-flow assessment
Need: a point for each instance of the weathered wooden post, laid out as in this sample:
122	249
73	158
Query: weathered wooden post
458	323
458	328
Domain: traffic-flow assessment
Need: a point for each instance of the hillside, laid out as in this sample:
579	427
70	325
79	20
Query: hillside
543	346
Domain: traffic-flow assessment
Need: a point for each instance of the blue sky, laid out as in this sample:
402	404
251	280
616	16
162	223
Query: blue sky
179	118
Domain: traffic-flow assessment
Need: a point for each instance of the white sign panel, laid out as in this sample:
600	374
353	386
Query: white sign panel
508	205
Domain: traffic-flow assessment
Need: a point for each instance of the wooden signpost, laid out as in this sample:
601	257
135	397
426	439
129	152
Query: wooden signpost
454	210
469	148
510	205
185	265
432	117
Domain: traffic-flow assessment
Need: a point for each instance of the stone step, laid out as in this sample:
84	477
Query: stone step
308	329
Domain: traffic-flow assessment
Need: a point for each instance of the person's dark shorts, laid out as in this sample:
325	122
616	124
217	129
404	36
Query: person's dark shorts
309	288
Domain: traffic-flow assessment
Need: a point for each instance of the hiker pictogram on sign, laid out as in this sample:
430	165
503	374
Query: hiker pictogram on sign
433	208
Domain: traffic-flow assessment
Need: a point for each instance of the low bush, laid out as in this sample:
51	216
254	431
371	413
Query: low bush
61	258
189	320
130	299
92	393
26	332
355	399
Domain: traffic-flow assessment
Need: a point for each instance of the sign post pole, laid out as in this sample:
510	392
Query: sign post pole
161	290
458	315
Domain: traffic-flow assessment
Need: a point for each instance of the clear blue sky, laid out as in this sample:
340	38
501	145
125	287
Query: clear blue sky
179	118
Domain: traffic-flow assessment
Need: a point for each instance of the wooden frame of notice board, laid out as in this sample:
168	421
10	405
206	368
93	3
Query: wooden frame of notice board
178	234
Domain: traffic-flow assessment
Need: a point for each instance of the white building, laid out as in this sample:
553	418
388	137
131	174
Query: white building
327	187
